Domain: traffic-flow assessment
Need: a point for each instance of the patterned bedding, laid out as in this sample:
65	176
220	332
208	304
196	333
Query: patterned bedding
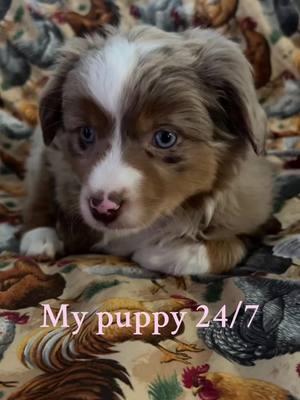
238	336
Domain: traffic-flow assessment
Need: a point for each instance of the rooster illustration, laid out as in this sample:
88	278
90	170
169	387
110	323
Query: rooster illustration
91	380
8	321
169	15
223	386
86	344
41	51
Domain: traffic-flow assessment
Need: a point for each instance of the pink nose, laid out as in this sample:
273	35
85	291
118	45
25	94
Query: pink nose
105	208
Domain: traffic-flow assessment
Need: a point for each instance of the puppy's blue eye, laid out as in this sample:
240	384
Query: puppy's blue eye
87	135
165	139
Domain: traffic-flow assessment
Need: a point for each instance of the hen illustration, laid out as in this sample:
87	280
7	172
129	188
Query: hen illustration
266	337
286	242
288	16
289	247
41	51
8	321
169	15
214	13
288	104
12	128
14	67
257	52
86	344
102	12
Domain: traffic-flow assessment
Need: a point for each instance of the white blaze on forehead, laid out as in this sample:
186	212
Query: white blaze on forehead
105	72
104	75
113	174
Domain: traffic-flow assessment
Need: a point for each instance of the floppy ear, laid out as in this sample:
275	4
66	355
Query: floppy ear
226	80
50	109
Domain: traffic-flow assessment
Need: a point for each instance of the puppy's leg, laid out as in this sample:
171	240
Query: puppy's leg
185	258
40	237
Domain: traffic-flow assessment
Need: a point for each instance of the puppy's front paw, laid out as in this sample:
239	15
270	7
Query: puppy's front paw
41	242
175	259
152	258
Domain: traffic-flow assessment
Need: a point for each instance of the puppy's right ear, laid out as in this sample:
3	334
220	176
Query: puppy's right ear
50	107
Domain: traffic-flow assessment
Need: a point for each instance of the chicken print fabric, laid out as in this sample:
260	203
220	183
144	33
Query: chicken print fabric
236	336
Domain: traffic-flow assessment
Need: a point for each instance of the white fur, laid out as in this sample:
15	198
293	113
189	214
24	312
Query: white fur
103	76
41	242
177	259
105	73
112	175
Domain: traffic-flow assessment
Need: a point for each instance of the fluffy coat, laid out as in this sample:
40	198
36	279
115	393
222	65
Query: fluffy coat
182	209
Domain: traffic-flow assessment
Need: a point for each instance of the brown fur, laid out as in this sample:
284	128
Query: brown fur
225	253
211	185
38	210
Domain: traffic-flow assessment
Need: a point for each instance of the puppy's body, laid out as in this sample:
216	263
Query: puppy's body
166	172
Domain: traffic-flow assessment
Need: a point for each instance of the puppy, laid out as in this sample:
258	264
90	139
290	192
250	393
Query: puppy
151	150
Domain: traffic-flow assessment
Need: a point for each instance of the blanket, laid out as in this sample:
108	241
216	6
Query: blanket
100	327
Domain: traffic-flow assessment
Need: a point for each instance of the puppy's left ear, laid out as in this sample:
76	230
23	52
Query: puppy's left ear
225	79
